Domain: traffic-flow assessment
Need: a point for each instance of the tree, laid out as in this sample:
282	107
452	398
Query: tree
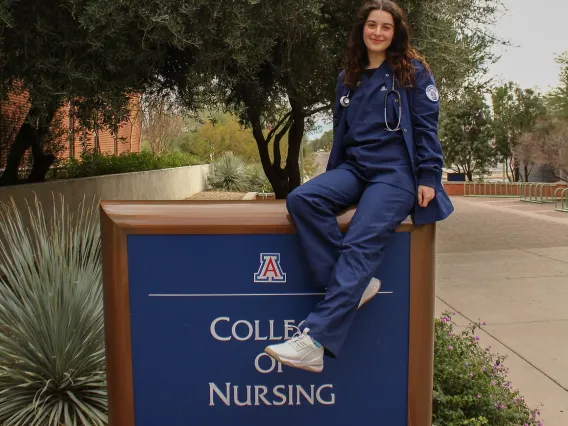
323	142
161	124
515	111
260	73
557	99
547	145
466	134
456	37
216	133
95	53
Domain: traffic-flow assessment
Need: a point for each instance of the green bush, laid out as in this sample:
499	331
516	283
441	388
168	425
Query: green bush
52	365
96	164
470	383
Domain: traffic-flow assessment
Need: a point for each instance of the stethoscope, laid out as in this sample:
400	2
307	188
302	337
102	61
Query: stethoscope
344	101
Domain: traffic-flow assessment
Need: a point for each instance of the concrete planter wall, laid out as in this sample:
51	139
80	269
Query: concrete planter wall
166	184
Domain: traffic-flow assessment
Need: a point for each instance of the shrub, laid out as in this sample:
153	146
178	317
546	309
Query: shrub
256	179
470	383
96	164
52	368
228	173
310	164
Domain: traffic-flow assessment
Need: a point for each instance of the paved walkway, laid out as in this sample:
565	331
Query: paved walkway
506	262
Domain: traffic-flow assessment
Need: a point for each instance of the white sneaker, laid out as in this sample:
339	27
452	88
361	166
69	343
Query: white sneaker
299	352
371	291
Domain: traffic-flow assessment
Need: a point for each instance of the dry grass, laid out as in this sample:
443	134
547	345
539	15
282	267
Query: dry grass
217	195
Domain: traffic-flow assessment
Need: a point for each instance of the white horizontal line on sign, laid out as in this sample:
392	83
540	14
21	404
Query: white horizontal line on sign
246	294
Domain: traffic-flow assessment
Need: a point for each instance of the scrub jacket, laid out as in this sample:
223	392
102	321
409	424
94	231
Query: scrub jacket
407	158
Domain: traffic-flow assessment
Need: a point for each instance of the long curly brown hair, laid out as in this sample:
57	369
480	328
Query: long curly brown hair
399	54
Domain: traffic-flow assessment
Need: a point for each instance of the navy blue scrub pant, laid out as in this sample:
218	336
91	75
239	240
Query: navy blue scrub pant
344	263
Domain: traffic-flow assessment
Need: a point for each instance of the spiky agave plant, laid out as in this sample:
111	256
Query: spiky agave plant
52	369
228	174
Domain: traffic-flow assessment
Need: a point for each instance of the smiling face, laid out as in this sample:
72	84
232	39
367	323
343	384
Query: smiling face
378	31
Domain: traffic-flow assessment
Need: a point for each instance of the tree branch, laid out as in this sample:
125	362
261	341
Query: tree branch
559	177
277	155
323	108
275	128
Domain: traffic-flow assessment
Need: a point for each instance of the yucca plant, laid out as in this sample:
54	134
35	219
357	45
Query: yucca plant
52	369
228	174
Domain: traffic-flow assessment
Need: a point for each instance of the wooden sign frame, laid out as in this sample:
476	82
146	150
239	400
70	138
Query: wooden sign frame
122	218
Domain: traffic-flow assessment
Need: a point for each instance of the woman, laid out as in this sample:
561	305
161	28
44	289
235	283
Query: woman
386	158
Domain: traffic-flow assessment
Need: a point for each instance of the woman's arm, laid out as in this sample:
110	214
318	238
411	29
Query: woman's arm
425	113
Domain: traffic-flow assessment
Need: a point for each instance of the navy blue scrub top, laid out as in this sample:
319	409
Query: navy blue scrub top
372	152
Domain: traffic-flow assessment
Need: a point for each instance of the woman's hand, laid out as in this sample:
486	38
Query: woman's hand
425	195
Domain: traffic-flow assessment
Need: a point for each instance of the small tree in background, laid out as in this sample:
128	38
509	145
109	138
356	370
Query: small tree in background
546	145
515	111
161	124
211	133
324	142
466	134
557	100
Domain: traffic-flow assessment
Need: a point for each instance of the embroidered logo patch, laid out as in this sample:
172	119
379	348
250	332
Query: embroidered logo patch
432	93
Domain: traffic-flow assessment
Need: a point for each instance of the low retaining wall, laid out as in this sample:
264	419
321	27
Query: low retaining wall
488	189
166	184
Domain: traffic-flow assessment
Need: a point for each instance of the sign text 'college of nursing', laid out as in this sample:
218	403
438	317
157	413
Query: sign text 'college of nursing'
224	330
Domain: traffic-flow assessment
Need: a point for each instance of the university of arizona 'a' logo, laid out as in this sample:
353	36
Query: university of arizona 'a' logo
270	270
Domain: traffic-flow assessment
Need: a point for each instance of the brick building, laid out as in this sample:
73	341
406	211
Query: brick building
14	110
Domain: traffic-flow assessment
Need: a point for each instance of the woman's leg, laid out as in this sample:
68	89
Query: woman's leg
380	210
313	207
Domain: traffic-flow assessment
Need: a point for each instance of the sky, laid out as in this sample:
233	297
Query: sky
536	36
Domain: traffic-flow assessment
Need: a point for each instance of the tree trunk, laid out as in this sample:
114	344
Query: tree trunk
30	136
526	170
295	137
506	160
19	147
514	169
279	185
560	177
42	163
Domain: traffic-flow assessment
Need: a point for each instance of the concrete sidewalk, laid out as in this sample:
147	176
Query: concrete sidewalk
506	262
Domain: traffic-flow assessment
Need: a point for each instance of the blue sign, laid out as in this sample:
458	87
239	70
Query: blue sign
204	307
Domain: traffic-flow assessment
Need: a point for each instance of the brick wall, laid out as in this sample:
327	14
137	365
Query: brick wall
14	110
127	140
